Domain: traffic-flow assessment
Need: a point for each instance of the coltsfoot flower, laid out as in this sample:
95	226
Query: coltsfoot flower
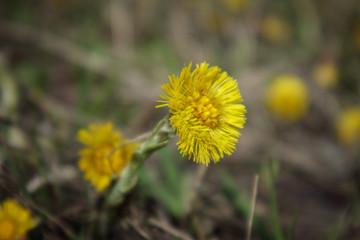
356	36
275	30
287	98
325	74
205	112
348	125
235	6
101	159
15	220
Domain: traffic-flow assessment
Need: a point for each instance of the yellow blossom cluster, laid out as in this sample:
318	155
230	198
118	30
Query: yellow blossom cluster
325	74
206	112
348	125
287	98
275	30
15	220
106	154
235	6
356	36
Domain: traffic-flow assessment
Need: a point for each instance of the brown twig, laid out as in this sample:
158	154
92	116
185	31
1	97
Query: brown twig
20	196
58	46
252	210
199	230
67	230
52	218
200	174
137	228
166	227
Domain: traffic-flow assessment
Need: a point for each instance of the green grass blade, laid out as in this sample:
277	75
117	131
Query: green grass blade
337	231
292	225
275	217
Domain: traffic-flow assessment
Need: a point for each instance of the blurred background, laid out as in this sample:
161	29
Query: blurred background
65	64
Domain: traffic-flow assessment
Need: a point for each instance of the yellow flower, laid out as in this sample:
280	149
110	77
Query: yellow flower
100	160
235	6
326	74
348	125
15	220
206	112
274	29
287	98
356	36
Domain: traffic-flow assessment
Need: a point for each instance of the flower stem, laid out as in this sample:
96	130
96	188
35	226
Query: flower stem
129	177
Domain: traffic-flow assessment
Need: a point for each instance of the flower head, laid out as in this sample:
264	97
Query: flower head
325	74
348	125
356	36
102	158
275	30
235	6
15	220
287	98
206	112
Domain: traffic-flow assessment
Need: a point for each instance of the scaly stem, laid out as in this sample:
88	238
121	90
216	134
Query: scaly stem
129	177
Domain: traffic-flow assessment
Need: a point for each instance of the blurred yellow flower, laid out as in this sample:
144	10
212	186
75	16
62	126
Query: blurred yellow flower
274	29
348	125
325	74
100	160
356	36
287	98
206	112
234	6
15	220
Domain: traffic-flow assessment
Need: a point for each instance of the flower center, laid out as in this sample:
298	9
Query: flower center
7	230
204	109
